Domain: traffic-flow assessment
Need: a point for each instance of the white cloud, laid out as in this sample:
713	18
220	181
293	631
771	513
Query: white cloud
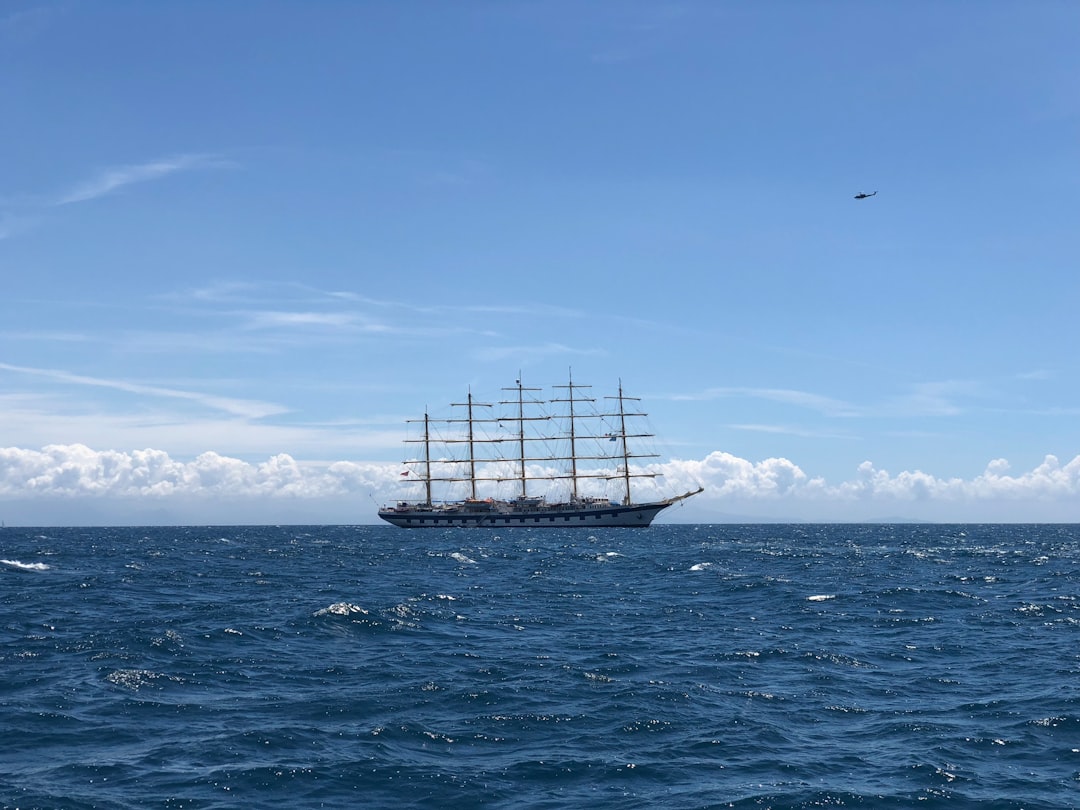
39	420
802	399
778	487
77	470
247	408
47	336
495	353
725	474
218	292
936	398
940	398
291	314
329	320
788	430
104	183
117	177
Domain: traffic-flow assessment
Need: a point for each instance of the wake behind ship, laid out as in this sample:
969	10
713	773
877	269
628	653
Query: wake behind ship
564	438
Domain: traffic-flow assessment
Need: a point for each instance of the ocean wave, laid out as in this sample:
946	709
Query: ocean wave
340	609
21	566
136	679
546	674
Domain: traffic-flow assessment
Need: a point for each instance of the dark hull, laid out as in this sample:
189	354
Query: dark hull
568	516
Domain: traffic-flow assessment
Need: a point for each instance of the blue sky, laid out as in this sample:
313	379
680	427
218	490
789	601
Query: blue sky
242	244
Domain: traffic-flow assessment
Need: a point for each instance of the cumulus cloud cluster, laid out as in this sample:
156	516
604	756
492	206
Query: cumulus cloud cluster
774	487
777	478
74	470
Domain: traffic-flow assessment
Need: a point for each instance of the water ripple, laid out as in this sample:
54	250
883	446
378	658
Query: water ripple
707	666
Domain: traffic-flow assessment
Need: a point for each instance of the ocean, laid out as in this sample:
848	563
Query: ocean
762	666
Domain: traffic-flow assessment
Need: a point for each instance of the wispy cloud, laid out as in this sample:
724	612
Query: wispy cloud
293	311
1036	374
47	336
284	295
496	353
940	398
333	320
788	430
533	309
217	292
117	177
248	409
26	212
803	399
45	418
245	316
935	398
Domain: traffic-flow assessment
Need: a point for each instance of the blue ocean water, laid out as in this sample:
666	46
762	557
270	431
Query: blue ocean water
679	666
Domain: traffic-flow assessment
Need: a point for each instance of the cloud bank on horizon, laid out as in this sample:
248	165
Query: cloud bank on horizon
774	489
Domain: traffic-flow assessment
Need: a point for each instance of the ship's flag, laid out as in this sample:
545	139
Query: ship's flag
405	473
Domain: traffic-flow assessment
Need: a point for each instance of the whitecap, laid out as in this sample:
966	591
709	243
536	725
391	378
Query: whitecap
340	609
461	558
821	597
21	566
700	566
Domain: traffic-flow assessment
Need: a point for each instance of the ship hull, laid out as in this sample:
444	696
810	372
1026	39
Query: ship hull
632	516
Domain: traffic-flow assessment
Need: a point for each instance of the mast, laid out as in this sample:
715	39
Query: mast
626	455
573	458
625	452
521	419
427	459
471	440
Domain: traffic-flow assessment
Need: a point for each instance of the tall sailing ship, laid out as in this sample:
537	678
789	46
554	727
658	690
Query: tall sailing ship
565	438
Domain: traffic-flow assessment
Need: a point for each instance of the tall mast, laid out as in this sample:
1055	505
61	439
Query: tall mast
570	400
521	419
472	452
427	458
471	439
626	454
